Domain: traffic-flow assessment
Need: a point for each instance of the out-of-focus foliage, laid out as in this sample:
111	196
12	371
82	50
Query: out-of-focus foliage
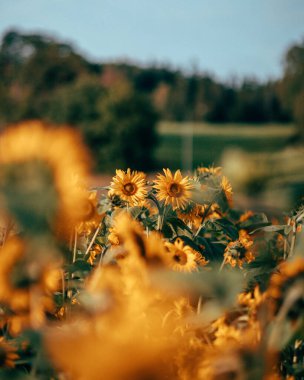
292	83
42	78
34	67
164	268
118	124
45	79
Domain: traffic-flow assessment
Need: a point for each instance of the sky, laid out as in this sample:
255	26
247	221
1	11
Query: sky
226	38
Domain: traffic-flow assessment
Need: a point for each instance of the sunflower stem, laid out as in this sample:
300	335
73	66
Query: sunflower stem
63	286
161	218
93	239
204	217
286	241
154	199
7	229
222	265
199	305
102	255
75	245
293	240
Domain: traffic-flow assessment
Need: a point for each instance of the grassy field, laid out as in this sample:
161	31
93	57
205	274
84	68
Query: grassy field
183	145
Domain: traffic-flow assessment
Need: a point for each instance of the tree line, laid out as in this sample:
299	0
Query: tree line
117	105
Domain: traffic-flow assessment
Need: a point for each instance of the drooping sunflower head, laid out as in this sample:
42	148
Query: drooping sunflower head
182	258
130	186
173	189
239	252
38	166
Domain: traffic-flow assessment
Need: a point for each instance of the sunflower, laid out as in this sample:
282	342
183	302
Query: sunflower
245	216
183	258
7	354
225	334
211	211
173	189
113	237
130	186
238	252
227	189
91	218
21	278
38	165
95	251
194	214
210	171
289	281
130	234
191	214
252	299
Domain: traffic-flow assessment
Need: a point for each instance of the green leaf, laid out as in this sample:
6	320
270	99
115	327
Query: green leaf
228	227
255	219
79	266
284	229
212	251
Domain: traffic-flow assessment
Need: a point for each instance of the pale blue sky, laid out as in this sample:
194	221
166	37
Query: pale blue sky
224	37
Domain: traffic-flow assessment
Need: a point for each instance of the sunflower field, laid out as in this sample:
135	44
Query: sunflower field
149	278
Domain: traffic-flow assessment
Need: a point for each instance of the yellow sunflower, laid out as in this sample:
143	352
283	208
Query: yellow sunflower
38	168
191	214
251	299
113	237
182	258
238	252
210	171
94	252
289	280
227	189
7	354
21	278
211	211
247	215
194	213
173	189
131	235
130	186
91	218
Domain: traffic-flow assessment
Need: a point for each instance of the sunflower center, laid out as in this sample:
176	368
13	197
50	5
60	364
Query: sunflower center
180	257
175	190
129	188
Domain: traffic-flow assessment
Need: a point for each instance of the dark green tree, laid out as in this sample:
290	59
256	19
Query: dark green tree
292	84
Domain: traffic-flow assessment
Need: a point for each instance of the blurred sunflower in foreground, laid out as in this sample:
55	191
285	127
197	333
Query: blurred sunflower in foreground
90	217
287	289
8	354
40	168
29	275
